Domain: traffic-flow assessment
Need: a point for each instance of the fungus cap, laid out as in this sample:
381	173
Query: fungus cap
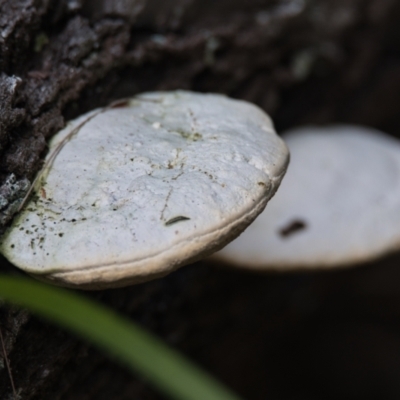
339	203
148	186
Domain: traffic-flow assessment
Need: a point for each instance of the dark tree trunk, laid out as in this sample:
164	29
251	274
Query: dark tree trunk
302	61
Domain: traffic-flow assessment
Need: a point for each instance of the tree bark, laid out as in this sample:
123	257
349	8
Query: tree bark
315	61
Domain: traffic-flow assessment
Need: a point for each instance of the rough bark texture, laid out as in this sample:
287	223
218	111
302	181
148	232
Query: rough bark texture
302	61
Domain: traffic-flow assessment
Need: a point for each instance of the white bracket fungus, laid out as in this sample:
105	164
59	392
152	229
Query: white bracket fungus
339	203
143	188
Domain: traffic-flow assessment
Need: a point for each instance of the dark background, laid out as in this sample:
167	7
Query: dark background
332	335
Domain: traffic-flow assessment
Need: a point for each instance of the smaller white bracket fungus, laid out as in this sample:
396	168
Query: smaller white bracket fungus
338	205
146	187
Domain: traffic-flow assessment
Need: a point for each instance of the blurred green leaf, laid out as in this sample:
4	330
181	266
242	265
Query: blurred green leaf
166	369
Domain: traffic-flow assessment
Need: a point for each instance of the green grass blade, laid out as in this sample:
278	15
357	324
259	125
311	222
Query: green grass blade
166	369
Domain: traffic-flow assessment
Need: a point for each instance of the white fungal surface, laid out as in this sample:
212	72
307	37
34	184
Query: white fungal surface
146	187
338	205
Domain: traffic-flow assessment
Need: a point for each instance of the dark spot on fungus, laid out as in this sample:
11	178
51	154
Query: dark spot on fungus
61	234
176	219
261	184
119	104
12	246
292	227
